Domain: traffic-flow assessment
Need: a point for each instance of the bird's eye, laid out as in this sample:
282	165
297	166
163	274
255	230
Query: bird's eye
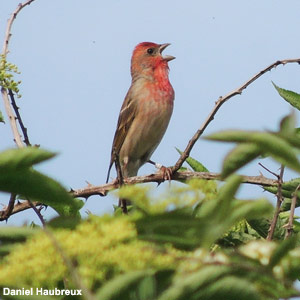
150	51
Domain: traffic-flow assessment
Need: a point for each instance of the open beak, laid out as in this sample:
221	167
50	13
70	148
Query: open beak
162	47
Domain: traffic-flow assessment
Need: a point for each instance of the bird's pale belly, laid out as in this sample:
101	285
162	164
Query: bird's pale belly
141	141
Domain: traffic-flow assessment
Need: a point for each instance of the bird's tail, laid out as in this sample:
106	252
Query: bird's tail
109	169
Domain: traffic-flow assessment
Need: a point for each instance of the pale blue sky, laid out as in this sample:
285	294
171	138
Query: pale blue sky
74	58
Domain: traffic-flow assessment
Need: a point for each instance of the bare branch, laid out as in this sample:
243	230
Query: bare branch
37	211
18	207
102	190
10	23
289	226
278	203
268	170
9	111
19	118
7	211
12	119
219	103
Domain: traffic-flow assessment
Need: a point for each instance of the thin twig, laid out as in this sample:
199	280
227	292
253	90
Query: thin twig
18	207
219	103
268	170
38	212
12	119
10	114
289	226
10	23
6	213
19	118
278	203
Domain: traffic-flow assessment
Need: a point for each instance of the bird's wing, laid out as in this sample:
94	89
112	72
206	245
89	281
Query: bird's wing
126	117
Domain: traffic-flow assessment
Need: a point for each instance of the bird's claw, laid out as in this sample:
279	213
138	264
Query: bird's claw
167	172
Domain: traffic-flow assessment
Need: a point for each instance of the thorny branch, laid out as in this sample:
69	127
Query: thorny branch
19	118
289	227
12	119
7	211
10	23
102	190
278	203
37	211
18	207
9	111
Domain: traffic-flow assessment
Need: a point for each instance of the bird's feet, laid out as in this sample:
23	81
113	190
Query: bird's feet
167	172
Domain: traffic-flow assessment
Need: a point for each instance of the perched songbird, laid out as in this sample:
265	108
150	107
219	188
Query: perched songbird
146	110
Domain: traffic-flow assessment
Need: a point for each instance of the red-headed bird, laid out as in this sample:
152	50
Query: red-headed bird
146	110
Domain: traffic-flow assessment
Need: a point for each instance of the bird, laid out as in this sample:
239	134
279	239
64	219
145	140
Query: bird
146	110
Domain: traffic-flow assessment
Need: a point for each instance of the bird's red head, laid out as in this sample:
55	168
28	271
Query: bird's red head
148	56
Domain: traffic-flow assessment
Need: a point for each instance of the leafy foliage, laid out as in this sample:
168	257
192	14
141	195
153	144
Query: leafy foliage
282	146
289	96
196	165
6	75
17	176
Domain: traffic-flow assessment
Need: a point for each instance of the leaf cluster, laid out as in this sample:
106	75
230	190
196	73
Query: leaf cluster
7	71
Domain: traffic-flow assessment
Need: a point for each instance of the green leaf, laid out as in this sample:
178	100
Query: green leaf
288	124
186	229
120	286
10	236
146	288
274	189
291	185
287	190
177	227
194	164
163	279
234	239
268	143
229	288
260	225
241	155
220	208
17	176
286	205
282	250
15	159
186	287
289	96
15	233
38	187
69	222
251	209
1	118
